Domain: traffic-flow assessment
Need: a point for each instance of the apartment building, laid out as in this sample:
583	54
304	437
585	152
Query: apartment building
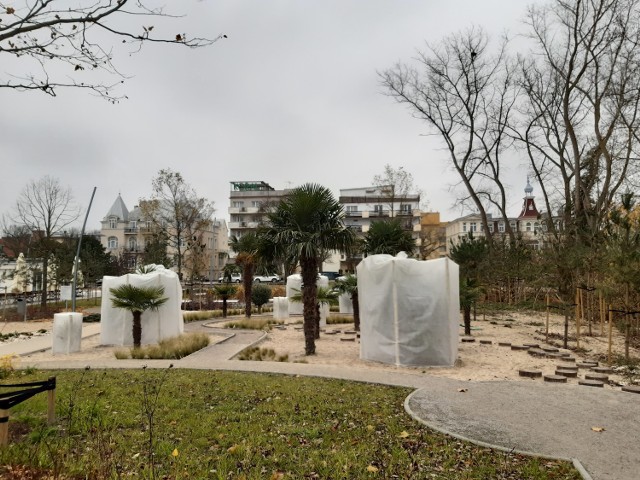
433	236
528	225
124	232
365	205
248	202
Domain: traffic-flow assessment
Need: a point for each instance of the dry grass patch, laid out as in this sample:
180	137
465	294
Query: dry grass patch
258	354
254	323
170	348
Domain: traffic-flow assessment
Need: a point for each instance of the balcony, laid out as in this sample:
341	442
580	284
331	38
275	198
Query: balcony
353	213
131	230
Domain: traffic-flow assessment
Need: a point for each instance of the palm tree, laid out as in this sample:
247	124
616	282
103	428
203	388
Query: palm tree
388	237
307	223
324	296
225	291
137	300
247	248
349	285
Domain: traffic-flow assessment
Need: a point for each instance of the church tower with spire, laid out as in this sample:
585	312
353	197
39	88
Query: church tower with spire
529	209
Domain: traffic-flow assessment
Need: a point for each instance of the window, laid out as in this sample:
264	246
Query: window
501	227
133	224
237	204
255	203
131	262
491	227
513	226
377	208
528	226
472	227
536	227
405	208
352	208
133	243
464	226
113	222
112	242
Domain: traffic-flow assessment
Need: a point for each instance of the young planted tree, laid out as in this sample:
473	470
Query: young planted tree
388	236
470	255
225	292
349	285
248	249
137	300
260	296
307	223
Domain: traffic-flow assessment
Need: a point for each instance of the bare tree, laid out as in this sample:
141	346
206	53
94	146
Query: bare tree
581	111
46	208
466	96
179	214
65	42
396	184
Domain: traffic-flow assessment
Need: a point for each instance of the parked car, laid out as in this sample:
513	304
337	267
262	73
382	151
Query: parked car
273	278
235	278
331	275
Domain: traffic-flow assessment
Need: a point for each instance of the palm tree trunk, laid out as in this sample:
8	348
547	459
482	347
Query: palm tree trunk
309	290
317	322
247	281
137	329
224	307
356	311
467	319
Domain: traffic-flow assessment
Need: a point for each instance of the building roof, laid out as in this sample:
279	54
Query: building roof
118	209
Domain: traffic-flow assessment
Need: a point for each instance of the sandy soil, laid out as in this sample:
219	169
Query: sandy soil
475	361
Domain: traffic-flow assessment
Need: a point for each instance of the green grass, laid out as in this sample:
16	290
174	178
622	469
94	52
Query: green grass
169	348
228	425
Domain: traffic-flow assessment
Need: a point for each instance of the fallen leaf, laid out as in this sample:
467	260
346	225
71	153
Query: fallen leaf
370	428
462	390
232	448
175	452
403	434
597	429
11	10
135	455
372	469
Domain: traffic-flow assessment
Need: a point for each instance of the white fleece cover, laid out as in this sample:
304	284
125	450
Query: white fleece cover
409	310
166	322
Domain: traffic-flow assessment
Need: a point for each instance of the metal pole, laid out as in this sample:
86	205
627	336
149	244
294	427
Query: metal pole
75	270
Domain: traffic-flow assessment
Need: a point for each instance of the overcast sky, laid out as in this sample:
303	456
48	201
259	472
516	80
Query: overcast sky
291	96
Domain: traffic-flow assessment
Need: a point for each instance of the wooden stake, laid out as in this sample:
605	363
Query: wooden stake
4	428
546	331
51	406
577	318
601	313
610	334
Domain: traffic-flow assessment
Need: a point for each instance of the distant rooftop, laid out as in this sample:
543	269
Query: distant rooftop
251	186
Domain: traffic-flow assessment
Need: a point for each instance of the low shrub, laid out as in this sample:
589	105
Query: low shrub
258	354
169	349
254	323
334	319
92	318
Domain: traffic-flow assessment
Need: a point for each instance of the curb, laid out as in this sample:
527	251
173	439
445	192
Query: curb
576	463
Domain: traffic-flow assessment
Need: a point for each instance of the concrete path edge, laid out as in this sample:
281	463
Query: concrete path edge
407	407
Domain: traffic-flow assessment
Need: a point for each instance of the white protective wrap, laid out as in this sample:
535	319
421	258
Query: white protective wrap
409	310
280	308
67	332
116	323
345	302
294	286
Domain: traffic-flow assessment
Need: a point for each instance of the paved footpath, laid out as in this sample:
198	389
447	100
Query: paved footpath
528	416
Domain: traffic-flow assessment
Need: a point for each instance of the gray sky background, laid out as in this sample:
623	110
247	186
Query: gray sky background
292	96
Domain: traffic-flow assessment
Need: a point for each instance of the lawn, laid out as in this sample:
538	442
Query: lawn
223	425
